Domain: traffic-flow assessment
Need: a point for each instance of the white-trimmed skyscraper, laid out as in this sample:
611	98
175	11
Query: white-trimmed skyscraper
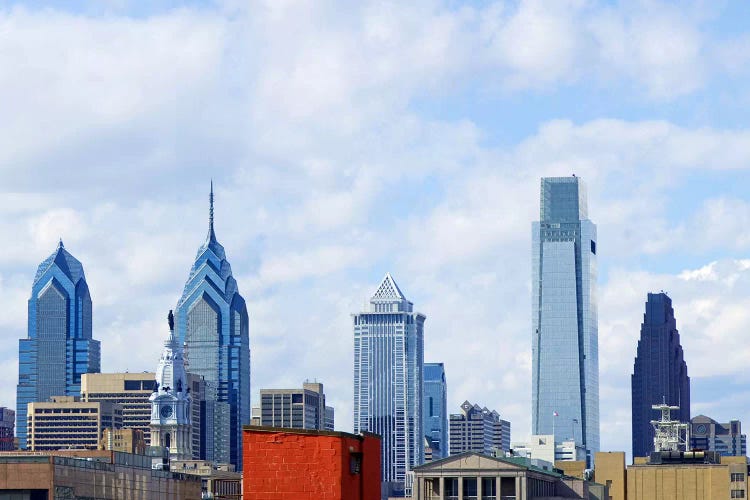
388	363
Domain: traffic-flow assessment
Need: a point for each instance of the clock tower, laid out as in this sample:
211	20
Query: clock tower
170	402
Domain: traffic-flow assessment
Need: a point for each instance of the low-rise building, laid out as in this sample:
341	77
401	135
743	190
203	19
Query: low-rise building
300	464
217	481
67	422
474	476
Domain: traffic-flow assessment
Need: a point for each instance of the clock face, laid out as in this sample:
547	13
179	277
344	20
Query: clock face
166	411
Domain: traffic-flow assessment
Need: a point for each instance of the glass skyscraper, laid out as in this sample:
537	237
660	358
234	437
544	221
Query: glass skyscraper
59	347
388	362
565	353
435	409
212	322
659	372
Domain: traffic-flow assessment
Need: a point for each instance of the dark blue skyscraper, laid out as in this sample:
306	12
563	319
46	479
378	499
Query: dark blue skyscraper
659	373
565	338
59	347
435	409
212	322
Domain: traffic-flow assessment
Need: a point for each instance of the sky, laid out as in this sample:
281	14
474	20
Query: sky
350	139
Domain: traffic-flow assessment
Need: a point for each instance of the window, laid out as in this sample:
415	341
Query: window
593	247
737	476
738	493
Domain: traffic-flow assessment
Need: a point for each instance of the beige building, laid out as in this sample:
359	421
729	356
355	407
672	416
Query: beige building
124	440
66	422
472	476
131	391
674	476
104	475
218	481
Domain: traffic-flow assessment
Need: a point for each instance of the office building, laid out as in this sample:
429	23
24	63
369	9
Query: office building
546	449
88	474
212	323
435	410
171	402
7	424
316	465
388	393
65	422
124	440
303	408
59	348
565	352
709	435
329	419
659	373
479	430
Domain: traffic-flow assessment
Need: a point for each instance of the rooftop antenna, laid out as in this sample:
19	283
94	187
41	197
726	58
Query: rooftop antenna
668	433
211	210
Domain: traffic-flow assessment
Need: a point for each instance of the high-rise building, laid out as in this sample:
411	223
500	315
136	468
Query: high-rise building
65	422
330	419
435	409
59	348
565	352
7	423
659	373
479	430
303	408
171	402
212	322
709	435
388	394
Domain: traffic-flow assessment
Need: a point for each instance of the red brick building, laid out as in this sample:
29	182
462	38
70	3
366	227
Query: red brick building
283	464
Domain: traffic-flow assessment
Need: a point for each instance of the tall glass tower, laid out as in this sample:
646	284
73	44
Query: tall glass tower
59	347
388	362
659	372
212	322
435	409
565	353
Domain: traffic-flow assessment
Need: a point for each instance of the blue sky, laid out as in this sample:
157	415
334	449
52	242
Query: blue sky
350	139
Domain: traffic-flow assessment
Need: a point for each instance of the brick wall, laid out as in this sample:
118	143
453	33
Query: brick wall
282	464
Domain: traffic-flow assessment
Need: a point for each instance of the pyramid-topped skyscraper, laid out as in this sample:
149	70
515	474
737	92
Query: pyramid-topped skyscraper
59	347
388	386
212	322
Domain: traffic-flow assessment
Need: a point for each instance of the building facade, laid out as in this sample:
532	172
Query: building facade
59	348
709	435
546	449
125	440
565	349
478	430
7	424
317	465
659	372
388	391
68	423
212	323
303	408
435	410
171	402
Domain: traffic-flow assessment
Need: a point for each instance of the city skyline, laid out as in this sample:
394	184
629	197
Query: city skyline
405	139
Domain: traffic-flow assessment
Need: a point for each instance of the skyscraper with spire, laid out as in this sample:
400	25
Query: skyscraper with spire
212	322
388	385
59	347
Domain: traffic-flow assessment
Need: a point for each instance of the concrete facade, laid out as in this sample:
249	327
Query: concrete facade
124	440
281	464
101	475
709	435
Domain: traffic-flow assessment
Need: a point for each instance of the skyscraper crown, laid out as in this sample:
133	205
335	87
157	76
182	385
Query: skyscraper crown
69	265
563	199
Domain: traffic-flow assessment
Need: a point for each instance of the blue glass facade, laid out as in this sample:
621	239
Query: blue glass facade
388	389
659	372
59	347
435	409
213	324
565	357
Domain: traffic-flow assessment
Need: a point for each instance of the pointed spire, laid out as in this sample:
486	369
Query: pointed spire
211	234
60	245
